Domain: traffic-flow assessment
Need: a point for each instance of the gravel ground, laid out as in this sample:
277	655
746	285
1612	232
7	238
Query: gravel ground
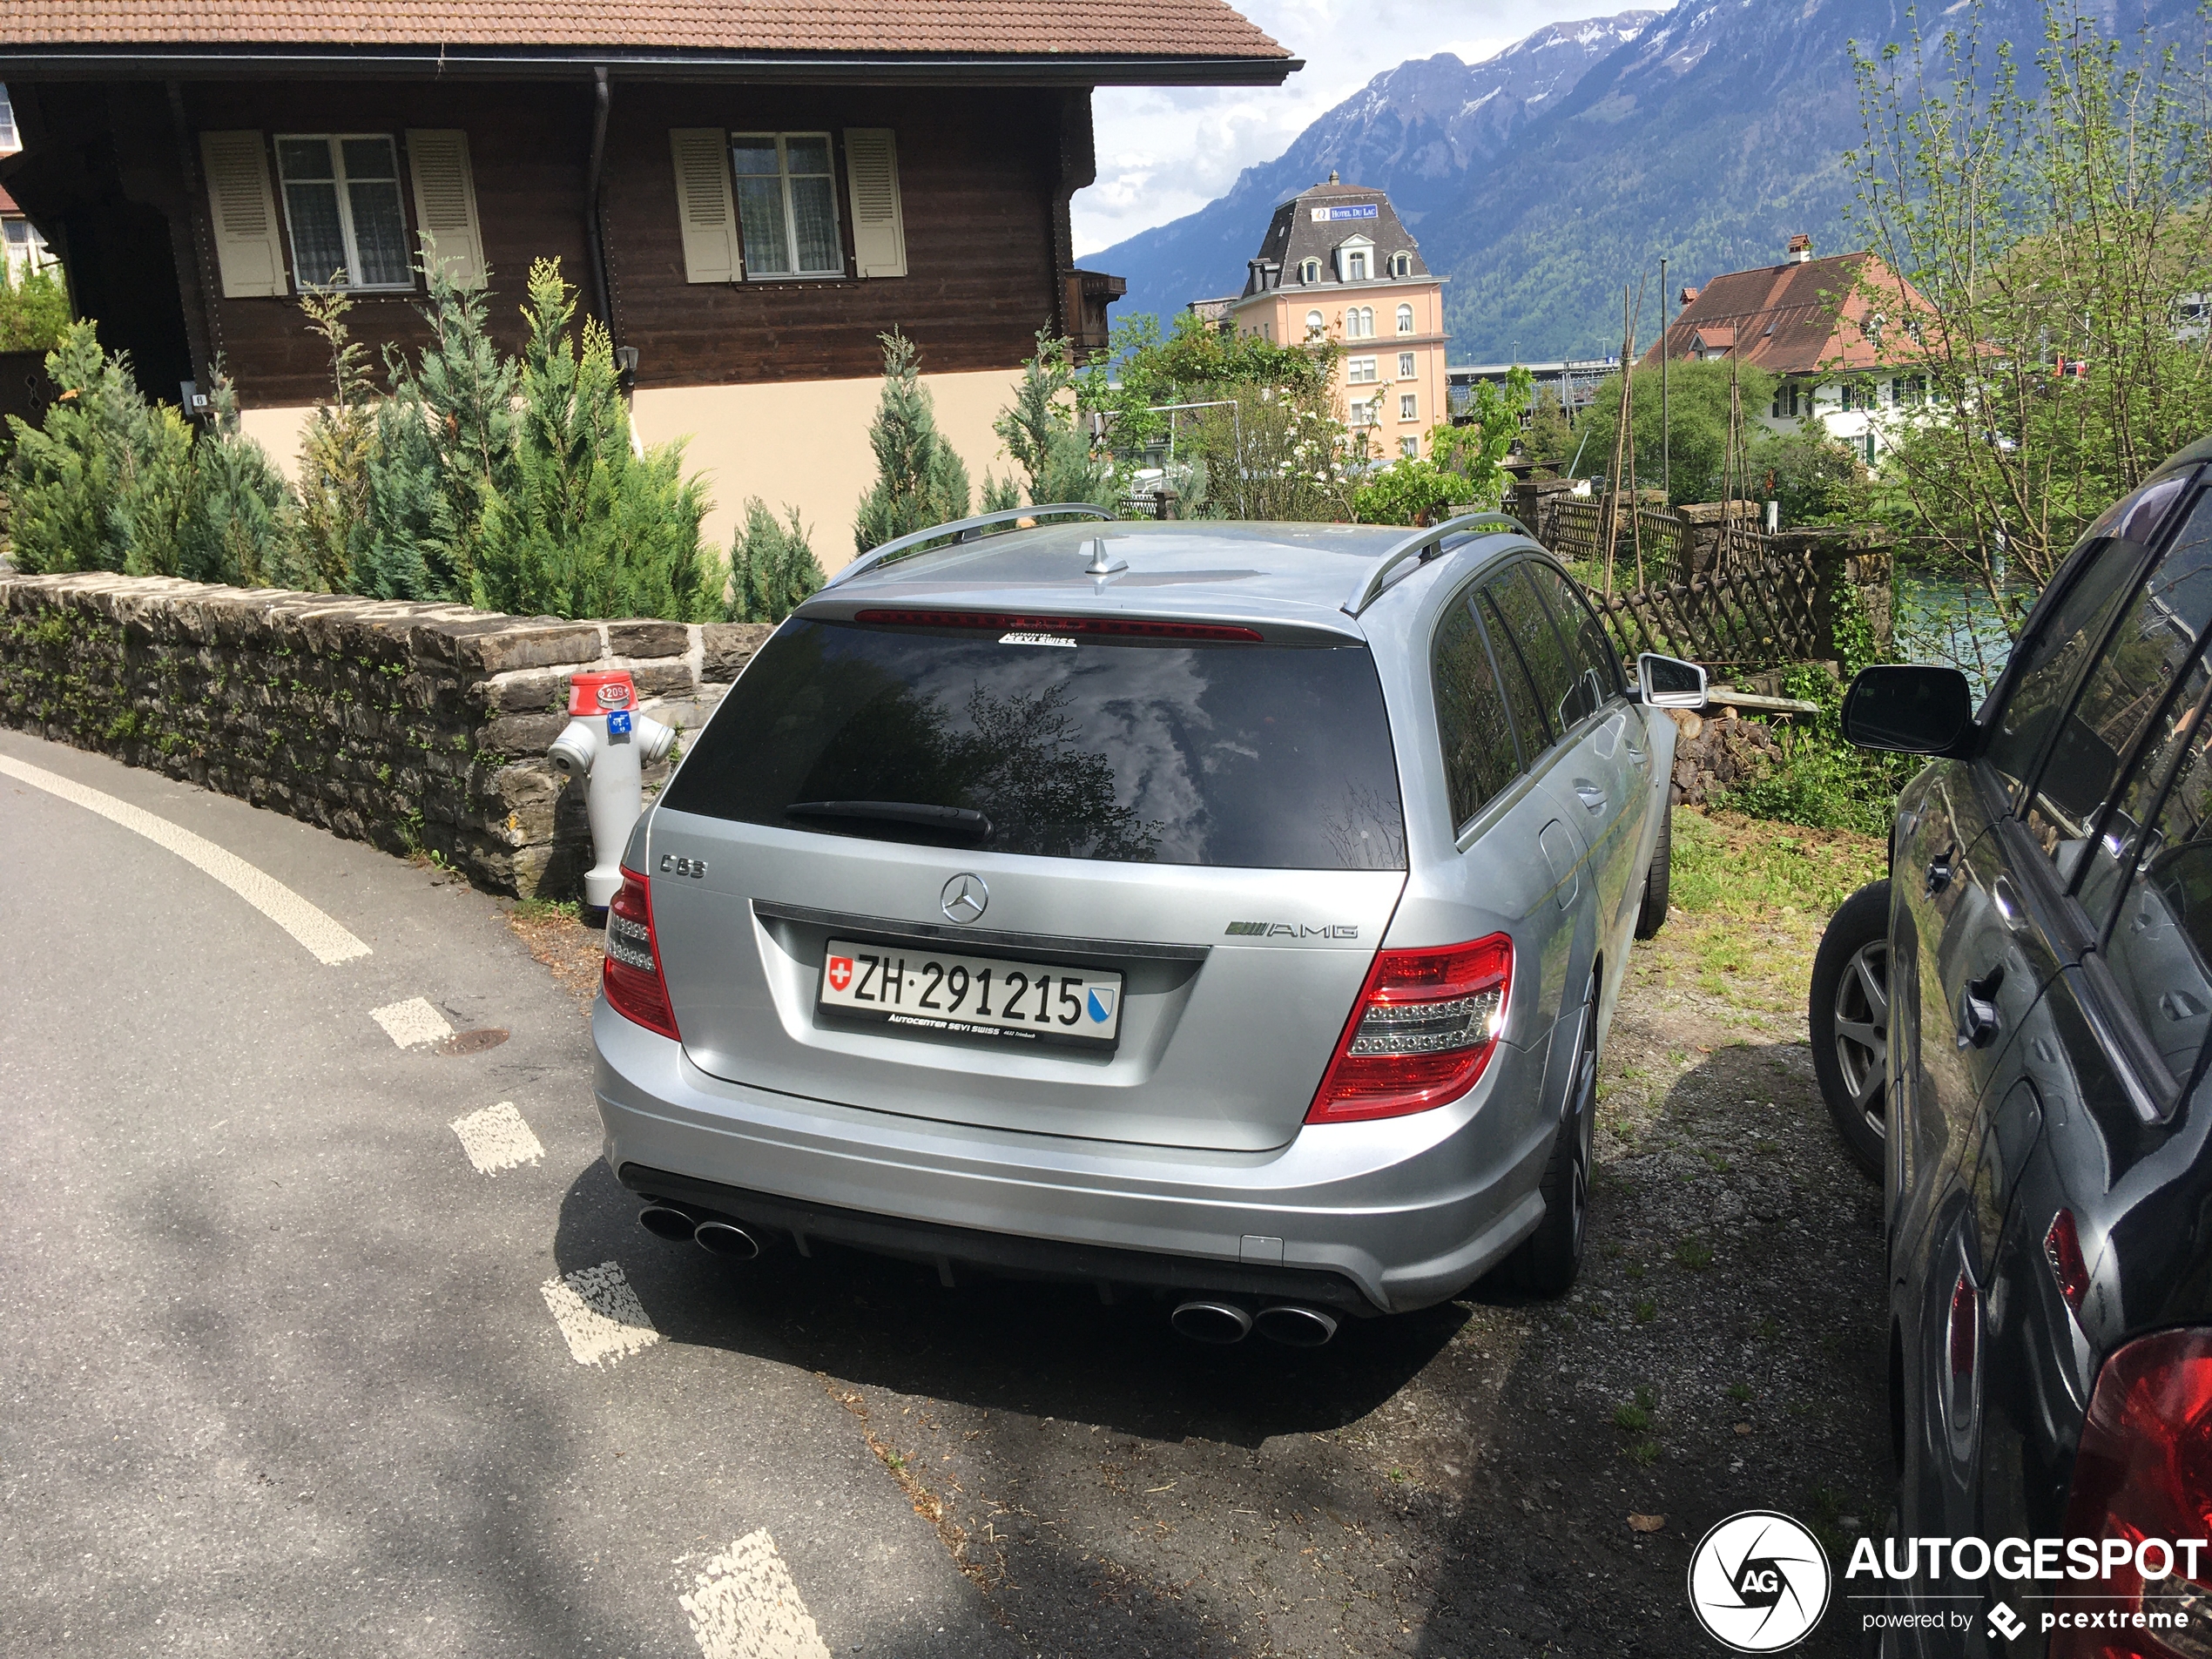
1494	1476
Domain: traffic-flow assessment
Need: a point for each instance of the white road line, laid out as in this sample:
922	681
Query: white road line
744	1606
324	937
599	1313
496	1138
412	1023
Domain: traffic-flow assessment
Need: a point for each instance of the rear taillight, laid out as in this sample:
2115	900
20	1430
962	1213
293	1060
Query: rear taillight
1424	1027
2062	1249
632	977
2144	1471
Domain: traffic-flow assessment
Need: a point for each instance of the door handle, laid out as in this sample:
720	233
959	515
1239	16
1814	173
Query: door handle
1941	868
1591	796
1978	1021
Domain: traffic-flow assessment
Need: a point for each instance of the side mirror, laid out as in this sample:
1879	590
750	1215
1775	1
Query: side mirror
1909	708
1669	683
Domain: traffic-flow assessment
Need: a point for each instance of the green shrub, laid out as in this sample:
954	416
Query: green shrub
921	480
238	516
1410	491
1823	782
34	310
1041	431
772	569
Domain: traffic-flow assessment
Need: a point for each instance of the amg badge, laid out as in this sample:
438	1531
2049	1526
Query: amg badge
1291	930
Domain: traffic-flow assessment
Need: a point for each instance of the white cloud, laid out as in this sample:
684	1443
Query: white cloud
1165	152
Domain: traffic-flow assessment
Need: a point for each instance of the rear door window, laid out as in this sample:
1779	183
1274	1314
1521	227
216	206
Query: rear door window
1016	739
1529	625
2160	941
2052	658
1587	644
1530	722
1479	758
2124	689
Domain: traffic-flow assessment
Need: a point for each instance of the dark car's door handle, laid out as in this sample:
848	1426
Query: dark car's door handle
1940	869
1591	796
1978	1021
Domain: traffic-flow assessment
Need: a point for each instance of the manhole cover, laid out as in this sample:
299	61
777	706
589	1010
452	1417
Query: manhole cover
489	1036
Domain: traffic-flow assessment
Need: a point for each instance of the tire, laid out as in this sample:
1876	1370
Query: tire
1659	876
1549	1259
1849	1016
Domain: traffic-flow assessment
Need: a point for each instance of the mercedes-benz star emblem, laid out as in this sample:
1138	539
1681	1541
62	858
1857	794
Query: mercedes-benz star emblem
964	897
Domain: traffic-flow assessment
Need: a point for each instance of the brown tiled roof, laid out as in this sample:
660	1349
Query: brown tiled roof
1799	317
1164	29
8	202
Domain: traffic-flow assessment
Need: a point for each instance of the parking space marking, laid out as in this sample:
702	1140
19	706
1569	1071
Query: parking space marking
599	1313
325	939
496	1138
746	1606
412	1023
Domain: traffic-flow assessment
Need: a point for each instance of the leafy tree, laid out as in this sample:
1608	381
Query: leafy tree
772	568
335	452
588	527
2053	216
1550	437
920	480
34	309
1697	441
101	483
1816	479
1000	494
1410	491
1042	432
399	552
1477	450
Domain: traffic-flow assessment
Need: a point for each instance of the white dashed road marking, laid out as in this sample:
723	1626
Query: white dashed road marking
328	942
496	1138
412	1023
744	1606
599	1313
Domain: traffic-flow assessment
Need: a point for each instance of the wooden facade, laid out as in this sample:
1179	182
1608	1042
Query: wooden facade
113	172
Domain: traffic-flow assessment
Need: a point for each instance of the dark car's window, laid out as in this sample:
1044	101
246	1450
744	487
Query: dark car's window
2159	941
2124	689
2136	517
1172	751
1478	755
2052	659
1587	644
1559	685
2119	839
1530	722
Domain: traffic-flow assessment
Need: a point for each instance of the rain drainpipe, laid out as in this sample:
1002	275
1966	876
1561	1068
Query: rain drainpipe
602	300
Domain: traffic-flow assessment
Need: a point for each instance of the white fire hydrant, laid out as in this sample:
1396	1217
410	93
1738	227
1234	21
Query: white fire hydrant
608	744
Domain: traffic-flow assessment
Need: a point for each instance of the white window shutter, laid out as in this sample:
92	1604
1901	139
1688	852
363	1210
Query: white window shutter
249	252
703	204
445	201
872	174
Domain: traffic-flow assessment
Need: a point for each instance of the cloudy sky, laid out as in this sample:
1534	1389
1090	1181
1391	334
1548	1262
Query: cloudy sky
1165	152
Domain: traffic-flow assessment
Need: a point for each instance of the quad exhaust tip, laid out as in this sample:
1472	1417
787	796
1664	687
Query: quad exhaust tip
1296	1327
1219	1323
666	1221
719	1237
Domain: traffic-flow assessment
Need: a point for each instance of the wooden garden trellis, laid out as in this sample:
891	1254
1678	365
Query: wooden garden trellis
1753	614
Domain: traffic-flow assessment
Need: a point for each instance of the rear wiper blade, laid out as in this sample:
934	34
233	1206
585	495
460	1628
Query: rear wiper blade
957	820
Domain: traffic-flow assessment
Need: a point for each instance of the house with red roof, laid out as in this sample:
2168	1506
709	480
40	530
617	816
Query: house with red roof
1841	335
746	195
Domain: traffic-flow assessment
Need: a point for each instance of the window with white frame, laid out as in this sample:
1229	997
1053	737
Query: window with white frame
1309	271
1860	395
1908	391
787	204
1359	371
1401	264
1360	322
1408	406
1405	319
1362	411
1410	447
1405	365
9	140
342	210
1314	324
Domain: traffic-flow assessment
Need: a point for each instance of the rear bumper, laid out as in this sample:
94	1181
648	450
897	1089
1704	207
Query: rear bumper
1383	1217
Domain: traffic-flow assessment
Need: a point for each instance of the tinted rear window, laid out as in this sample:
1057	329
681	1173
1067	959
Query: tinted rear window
1263	756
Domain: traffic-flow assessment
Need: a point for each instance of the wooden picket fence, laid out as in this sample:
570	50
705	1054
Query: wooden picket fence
1749	613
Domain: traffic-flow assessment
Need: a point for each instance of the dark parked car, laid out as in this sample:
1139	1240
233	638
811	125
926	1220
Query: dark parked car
2033	989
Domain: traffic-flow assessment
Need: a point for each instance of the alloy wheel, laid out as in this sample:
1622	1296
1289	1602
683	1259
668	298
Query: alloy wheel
1863	1030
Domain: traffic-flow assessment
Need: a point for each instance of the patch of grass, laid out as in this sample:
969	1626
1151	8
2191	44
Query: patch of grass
1633	1415
1694	1254
544	909
1740	1392
1644	1454
1646	1312
1729	865
1634	1270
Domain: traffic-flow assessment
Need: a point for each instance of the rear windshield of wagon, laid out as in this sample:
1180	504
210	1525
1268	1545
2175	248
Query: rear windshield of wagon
1224	752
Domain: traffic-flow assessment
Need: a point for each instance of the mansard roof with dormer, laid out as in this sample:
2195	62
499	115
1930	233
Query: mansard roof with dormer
1313	224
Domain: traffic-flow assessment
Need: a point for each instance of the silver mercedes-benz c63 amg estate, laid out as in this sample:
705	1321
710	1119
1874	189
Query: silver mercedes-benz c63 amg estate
1230	911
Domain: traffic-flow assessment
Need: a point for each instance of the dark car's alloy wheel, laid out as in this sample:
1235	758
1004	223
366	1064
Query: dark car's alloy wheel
1850	1017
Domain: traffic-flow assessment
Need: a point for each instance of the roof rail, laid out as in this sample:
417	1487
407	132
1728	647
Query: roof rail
1426	544
964	530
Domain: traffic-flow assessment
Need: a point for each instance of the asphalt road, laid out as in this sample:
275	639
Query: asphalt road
278	1374
282	1372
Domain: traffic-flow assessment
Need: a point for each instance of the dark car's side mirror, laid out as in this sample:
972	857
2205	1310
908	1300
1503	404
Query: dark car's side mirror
1910	709
1669	683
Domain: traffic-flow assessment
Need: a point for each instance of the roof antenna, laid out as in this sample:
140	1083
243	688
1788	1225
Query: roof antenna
1103	563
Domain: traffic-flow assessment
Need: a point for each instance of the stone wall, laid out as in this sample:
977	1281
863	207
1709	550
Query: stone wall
420	728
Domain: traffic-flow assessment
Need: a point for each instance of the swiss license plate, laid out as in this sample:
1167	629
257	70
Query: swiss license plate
929	993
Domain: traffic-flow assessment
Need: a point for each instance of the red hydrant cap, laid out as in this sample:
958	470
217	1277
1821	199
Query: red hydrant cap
600	693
